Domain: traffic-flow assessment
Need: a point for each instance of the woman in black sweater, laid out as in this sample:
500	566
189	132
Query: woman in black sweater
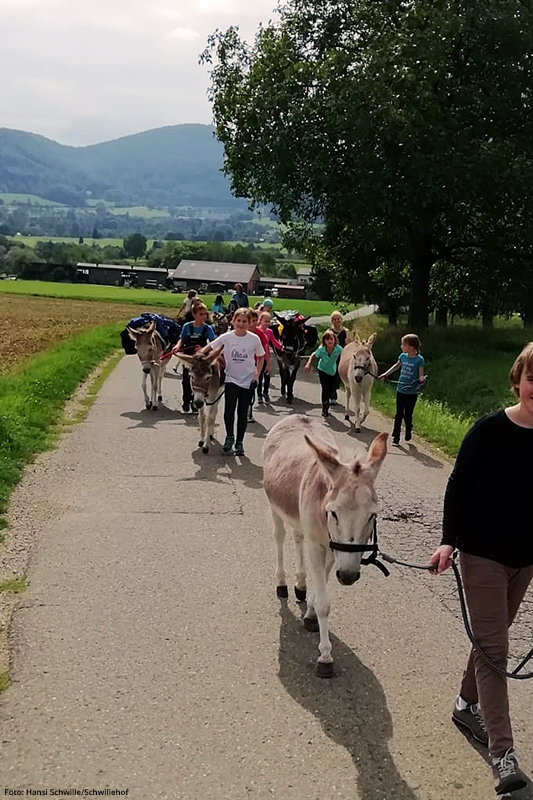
488	518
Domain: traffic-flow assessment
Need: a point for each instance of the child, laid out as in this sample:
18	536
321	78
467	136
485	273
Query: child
240	349
342	335
328	355
254	328
218	306
263	385
411	376
194	335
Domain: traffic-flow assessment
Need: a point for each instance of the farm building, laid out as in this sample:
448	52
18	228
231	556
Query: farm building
269	281
192	274
304	275
122	275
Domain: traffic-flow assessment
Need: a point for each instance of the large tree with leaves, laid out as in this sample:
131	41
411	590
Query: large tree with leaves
407	125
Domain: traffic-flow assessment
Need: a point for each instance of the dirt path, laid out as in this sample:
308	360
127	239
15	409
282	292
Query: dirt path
151	654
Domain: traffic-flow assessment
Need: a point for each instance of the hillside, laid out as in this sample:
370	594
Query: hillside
173	166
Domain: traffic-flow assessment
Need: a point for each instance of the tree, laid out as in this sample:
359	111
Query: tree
405	126
135	246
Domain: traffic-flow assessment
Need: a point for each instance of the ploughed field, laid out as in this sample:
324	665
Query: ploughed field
33	324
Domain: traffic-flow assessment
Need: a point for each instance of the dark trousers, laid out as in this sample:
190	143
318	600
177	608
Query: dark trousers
405	405
236	398
186	388
493	594
263	384
328	388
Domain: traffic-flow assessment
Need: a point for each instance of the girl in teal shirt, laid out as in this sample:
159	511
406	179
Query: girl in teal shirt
328	355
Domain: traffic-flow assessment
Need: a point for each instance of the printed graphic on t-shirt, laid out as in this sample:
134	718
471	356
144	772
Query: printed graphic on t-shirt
239	356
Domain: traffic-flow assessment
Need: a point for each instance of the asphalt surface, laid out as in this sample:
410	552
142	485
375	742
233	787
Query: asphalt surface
150	652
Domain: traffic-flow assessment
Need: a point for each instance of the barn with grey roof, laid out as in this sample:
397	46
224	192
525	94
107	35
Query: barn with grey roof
220	274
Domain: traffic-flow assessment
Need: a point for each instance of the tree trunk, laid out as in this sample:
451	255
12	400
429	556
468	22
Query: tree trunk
392	312
487	316
422	262
527	316
441	316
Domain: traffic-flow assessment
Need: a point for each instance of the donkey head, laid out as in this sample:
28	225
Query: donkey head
362	357
148	344
351	503
203	370
292	335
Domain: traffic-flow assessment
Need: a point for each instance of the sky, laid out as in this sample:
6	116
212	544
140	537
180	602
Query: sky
86	71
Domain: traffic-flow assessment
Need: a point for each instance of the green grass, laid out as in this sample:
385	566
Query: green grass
141	211
14	585
32	398
12	198
31	241
4	681
146	297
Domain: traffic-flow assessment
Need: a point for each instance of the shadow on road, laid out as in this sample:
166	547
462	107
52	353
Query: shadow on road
351	708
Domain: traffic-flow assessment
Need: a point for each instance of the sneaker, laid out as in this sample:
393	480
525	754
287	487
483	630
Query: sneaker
227	447
325	412
507	775
239	449
251	419
396	442
260	399
266	397
471	719
408	436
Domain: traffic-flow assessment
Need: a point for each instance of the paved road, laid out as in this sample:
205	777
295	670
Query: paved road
151	654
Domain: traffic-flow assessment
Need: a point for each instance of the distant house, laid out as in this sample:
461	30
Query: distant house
192	274
304	275
121	275
269	281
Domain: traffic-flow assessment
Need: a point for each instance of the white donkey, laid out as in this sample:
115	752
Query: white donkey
207	390
358	369
150	348
324	500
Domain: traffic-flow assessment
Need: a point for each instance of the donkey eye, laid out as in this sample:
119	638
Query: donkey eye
335	517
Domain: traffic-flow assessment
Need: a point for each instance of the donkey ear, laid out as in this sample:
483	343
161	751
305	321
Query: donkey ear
377	452
371	339
280	319
186	359
356	337
304	320
325	457
132	332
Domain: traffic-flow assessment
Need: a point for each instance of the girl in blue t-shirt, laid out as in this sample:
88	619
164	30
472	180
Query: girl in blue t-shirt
194	336
411	364
328	355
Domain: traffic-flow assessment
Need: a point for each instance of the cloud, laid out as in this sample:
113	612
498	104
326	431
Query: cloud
184	34
85	72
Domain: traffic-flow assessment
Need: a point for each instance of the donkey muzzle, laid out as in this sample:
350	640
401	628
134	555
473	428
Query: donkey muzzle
146	369
347	577
358	378
198	403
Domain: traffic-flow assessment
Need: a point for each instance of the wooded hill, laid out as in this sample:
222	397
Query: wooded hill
176	165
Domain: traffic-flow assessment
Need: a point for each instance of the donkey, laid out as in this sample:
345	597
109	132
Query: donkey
220	323
357	369
207	387
289	358
325	501
150	348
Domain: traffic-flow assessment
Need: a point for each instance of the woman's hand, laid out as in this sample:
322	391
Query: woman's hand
382	376
441	558
307	367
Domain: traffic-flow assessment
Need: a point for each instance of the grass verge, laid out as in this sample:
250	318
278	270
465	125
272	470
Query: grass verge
32	399
14	585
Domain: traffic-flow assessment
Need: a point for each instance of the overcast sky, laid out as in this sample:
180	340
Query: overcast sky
85	71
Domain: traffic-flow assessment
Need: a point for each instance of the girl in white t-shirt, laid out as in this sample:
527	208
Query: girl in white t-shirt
241	348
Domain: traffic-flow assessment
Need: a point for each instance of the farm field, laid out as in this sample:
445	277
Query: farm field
34	324
31	241
145	297
12	198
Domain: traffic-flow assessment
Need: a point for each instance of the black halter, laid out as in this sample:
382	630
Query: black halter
372	548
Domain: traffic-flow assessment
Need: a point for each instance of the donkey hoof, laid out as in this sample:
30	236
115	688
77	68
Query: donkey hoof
148	406
324	669
282	591
311	624
154	408
347	417
301	594
212	438
358	429
201	443
160	397
205	449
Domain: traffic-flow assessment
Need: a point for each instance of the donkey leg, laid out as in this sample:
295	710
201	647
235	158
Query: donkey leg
300	590
147	401
202	425
347	407
317	565
358	409
210	427
160	376
153	377
279	536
